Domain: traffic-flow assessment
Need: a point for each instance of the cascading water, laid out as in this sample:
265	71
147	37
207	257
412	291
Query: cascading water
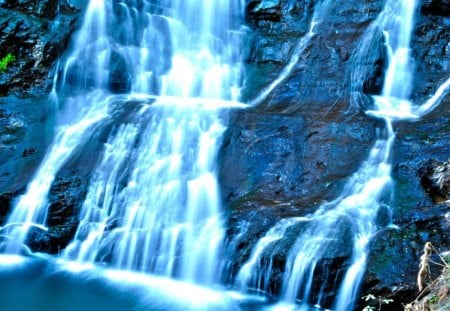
153	79
153	200
320	13
353	216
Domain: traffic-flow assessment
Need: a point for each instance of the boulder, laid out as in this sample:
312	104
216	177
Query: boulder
435	178
298	156
36	33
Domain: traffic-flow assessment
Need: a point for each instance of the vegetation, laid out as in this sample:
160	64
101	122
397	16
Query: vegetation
6	61
433	294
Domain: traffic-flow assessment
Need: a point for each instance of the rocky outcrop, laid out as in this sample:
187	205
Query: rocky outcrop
280	158
420	170
36	33
435	179
301	156
290	146
24	135
297	147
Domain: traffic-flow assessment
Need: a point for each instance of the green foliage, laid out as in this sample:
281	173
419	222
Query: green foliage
5	61
433	299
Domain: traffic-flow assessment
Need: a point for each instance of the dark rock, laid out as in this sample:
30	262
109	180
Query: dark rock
436	7
39	240
395	254
119	77
36	34
431	50
291	142
435	178
320	75
65	199
368	65
45	9
5	203
393	262
264	10
69	189
24	135
297	156
246	225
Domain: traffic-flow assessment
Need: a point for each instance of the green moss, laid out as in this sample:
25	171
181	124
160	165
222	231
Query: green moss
433	299
6	61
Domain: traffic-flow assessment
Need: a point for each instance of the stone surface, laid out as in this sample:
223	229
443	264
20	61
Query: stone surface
288	148
25	130
435	179
36	33
298	156
279	159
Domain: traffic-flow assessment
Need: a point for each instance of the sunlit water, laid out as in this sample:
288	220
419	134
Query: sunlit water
353	216
44	284
153	201
153	204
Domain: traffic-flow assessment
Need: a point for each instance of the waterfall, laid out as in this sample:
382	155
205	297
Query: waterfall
149	84
351	219
156	75
320	12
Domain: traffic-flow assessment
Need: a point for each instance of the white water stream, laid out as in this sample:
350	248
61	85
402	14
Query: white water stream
365	192
153	204
153	201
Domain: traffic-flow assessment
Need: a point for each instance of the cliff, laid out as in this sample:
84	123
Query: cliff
283	157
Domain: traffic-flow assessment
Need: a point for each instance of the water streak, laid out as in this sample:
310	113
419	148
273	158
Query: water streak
320	12
344	227
156	75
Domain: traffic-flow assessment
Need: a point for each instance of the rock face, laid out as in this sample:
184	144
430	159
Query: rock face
280	158
36	33
420	169
435	178
290	146
296	148
301	156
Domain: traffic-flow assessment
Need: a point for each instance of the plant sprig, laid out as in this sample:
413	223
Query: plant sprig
6	61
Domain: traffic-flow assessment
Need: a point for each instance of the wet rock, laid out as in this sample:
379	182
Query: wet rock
431	50
119	77
320	74
65	199
273	152
420	151
302	156
395	254
264	10
45	8
5	203
36	33
435	178
368	66
436	7
39	240
249	222
24	135
70	187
